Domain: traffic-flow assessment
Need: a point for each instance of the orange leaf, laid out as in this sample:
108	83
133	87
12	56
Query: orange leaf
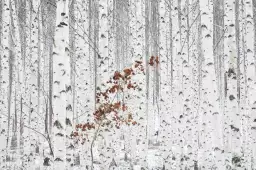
127	71
117	105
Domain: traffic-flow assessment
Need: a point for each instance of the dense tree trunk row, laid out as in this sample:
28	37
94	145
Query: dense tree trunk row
196	109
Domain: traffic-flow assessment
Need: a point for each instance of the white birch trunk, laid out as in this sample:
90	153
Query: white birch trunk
61	87
195	111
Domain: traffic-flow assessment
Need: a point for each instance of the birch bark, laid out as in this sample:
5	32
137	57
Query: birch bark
62	108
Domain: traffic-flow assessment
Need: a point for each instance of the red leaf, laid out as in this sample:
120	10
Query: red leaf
117	76
124	108
151	61
157	60
127	71
117	105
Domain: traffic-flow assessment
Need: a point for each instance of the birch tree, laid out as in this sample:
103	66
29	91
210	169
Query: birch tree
62	108
195	109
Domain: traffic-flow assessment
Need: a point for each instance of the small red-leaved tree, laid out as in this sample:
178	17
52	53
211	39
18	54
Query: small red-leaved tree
107	114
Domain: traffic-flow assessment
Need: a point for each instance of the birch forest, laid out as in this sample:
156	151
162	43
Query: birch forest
191	104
